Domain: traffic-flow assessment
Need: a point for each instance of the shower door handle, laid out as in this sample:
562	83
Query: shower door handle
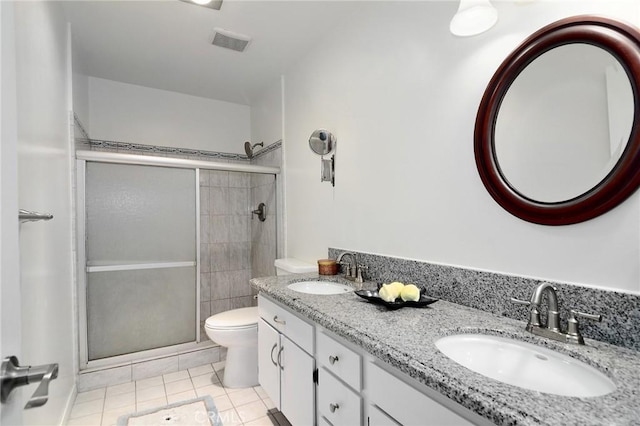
13	376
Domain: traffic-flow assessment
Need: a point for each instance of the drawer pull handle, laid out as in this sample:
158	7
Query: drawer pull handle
279	321
280	358
275	345
333	359
333	407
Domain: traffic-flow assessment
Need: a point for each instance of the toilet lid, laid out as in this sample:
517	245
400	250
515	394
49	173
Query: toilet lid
235	318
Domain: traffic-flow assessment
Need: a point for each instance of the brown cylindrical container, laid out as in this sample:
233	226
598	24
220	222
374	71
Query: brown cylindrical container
327	267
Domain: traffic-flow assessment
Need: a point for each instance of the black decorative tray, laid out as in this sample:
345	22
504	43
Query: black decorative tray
373	297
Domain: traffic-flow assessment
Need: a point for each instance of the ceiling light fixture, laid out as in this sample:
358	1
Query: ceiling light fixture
211	4
473	17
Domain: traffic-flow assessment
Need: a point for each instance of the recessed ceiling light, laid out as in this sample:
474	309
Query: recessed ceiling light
211	4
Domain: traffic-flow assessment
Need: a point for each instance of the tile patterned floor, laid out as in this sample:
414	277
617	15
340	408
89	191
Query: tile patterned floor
237	407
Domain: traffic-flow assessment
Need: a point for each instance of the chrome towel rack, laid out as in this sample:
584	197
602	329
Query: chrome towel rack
29	216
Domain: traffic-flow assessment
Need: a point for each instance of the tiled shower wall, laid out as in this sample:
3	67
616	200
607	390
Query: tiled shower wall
234	245
266	242
225	243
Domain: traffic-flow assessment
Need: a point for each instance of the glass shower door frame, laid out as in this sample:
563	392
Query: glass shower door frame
83	270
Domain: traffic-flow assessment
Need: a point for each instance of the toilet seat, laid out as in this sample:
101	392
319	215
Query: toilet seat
235	319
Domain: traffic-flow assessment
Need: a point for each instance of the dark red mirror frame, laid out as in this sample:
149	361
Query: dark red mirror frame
623	42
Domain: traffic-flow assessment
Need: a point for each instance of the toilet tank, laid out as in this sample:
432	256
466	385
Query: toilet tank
293	266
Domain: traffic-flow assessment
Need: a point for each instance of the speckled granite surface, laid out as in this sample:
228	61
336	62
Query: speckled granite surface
492	292
410	348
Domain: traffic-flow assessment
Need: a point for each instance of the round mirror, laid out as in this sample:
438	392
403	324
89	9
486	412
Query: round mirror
556	137
322	142
564	123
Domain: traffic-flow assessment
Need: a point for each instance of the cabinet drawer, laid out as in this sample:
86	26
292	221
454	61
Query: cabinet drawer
336	402
340	360
287	323
393	396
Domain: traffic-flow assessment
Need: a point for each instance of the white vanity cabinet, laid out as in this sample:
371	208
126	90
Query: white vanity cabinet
352	387
285	361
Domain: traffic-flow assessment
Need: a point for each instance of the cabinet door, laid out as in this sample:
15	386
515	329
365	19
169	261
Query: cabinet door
378	417
393	395
297	387
268	368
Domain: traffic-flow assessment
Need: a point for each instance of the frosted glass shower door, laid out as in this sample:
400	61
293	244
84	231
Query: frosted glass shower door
141	258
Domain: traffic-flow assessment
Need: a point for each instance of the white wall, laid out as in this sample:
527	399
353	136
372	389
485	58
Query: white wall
43	105
401	94
80	89
129	113
10	315
266	115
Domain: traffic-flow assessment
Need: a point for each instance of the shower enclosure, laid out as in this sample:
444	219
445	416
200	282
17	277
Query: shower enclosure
162	244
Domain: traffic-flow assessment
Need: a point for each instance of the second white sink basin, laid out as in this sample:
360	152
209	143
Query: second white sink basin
525	365
319	287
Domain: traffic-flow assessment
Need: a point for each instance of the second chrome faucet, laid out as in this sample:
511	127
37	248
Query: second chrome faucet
552	329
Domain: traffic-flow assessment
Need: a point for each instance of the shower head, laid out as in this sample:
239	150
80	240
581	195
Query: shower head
248	148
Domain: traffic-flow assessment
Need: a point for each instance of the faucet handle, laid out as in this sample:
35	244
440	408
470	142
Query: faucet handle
534	314
360	268
520	302
573	331
347	268
594	317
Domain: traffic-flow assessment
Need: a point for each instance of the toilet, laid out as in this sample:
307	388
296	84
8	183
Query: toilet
291	266
237	330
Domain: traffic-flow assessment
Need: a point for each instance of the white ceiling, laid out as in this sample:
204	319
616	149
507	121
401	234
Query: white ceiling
167	44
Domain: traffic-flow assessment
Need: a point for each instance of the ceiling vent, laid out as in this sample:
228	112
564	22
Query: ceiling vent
229	40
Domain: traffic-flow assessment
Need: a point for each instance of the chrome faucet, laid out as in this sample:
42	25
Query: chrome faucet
553	319
350	272
552	329
353	270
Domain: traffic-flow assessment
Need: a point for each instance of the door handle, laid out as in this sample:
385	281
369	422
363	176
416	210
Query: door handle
280	357
12	375
275	345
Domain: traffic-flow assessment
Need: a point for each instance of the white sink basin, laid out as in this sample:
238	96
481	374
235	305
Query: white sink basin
525	365
320	287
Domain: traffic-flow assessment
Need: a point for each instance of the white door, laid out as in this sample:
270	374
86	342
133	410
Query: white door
10	326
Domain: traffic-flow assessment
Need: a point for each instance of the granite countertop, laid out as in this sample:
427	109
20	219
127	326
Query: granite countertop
405	339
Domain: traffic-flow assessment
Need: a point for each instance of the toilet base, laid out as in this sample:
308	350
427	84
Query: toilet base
241	367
